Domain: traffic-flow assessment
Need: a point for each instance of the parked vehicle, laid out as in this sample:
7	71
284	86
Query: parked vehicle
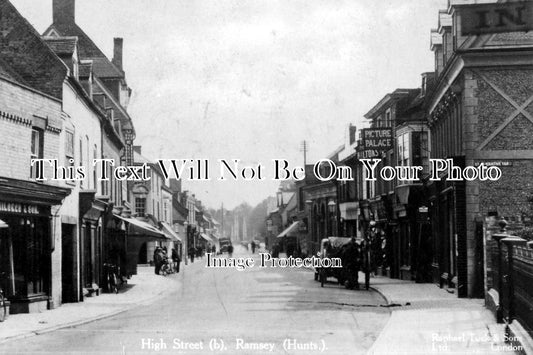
331	247
224	244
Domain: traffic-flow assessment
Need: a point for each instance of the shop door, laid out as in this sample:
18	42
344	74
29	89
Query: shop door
68	263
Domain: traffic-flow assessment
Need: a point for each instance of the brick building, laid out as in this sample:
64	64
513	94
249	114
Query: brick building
31	127
480	112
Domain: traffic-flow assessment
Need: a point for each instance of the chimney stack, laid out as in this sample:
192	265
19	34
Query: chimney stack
117	53
64	11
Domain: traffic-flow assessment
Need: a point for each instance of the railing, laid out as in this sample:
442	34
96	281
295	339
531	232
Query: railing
512	277
523	286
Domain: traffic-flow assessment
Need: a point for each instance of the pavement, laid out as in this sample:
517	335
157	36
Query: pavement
424	319
143	288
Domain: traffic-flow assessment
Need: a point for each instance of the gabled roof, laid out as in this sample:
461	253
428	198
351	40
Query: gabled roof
8	73
87	49
26	53
62	45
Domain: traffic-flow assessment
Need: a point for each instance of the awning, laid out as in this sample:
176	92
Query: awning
143	227
3	224
206	237
292	228
167	229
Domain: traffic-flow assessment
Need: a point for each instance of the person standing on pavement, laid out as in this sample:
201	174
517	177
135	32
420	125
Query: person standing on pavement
176	260
192	251
230	250
253	247
351	261
158	259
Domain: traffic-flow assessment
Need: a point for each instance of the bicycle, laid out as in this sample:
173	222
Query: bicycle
112	278
3	304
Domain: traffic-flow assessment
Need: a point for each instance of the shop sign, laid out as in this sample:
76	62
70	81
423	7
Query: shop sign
496	17
367	154
377	139
13	207
499	163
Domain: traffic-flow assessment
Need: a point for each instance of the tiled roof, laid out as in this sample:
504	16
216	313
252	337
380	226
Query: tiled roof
88	50
7	72
62	45
85	68
28	55
104	68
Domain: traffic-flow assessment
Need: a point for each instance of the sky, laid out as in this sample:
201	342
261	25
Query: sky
251	79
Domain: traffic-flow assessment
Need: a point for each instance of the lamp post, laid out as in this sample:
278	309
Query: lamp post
310	226
186	244
371	228
498	238
331	208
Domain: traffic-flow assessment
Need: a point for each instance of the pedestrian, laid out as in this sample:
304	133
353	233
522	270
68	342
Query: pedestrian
192	251
176	260
158	259
352	261
230	250
253	247
198	252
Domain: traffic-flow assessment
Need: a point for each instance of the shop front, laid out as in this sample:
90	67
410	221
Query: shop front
27	241
140	235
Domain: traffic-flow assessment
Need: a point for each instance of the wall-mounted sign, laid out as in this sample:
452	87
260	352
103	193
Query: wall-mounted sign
503	163
496	17
377	139
367	154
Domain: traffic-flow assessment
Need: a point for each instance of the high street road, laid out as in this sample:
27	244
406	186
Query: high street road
255	311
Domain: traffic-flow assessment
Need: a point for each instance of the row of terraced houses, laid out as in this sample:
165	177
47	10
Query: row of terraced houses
61	98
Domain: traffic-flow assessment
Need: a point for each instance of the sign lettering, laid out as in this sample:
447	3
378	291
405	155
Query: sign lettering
496	17
13	207
377	139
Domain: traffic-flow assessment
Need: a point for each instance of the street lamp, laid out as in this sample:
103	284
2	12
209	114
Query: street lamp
331	208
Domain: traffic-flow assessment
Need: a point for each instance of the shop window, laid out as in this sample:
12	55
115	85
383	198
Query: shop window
29	244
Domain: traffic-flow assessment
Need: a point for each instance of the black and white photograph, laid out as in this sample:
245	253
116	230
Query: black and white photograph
251	177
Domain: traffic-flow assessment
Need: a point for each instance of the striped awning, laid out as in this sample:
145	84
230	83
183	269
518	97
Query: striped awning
291	229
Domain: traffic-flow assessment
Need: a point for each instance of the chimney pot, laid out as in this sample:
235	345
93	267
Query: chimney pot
117	52
64	11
